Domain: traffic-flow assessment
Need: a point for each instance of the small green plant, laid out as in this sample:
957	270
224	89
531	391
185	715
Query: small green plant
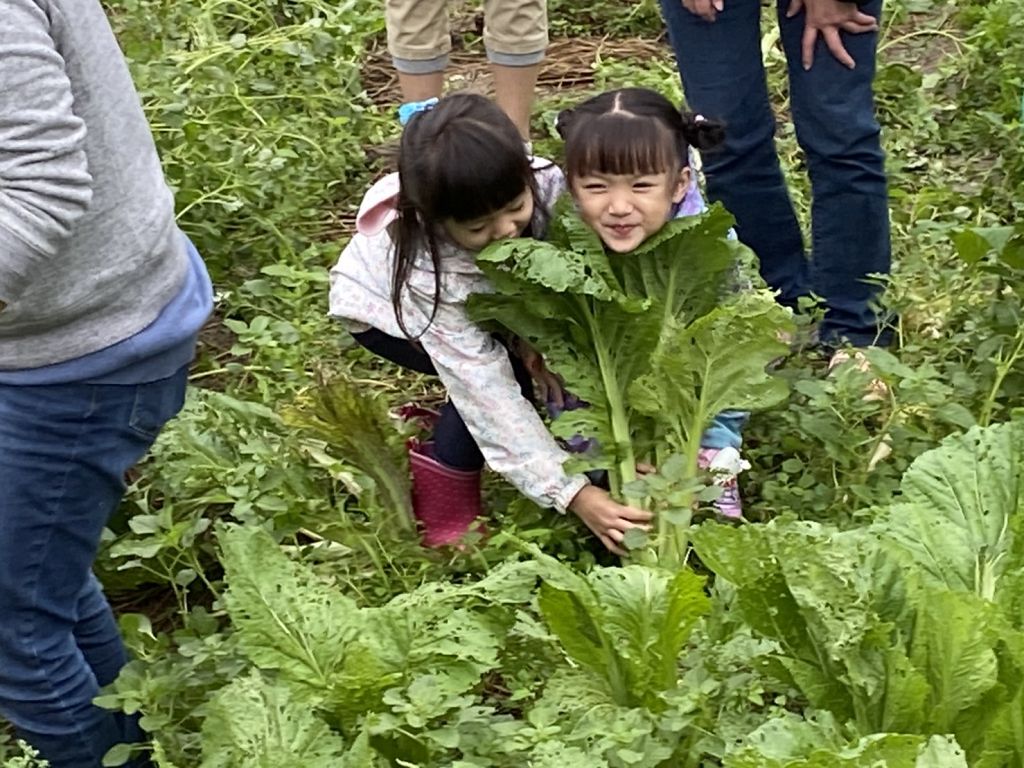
645	339
28	758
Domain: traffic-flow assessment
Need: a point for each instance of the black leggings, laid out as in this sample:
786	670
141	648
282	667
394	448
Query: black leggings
454	446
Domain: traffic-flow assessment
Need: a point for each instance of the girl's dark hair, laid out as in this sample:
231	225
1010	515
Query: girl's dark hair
632	131
462	159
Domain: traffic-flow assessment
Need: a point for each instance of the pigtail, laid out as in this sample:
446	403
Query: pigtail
700	133
564	121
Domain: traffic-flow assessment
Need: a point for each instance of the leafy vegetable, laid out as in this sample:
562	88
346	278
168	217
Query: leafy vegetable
253	724
626	626
791	742
355	426
639	336
911	626
957	504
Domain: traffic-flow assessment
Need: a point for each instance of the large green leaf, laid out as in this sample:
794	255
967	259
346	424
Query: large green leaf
791	742
834	603
958	501
716	363
626	626
954	642
547	265
582	637
286	618
253	724
649	615
685	267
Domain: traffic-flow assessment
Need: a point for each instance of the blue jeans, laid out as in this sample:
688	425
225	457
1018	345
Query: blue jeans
64	450
725	431
833	112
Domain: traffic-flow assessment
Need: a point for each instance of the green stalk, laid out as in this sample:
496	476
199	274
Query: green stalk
616	411
1003	368
674	539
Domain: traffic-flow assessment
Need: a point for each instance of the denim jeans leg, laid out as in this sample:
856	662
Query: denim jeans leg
834	114
724	79
97	635
64	450
725	431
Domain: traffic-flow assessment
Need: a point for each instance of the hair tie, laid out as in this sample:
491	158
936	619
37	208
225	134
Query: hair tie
406	111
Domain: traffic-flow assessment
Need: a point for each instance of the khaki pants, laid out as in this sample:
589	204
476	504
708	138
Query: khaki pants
515	33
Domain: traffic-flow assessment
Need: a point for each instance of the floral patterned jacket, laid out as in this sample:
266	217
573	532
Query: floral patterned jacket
473	367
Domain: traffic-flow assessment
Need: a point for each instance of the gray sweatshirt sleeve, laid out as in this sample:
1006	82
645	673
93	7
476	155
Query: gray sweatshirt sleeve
44	179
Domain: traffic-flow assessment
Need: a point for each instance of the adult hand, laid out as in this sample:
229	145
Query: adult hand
827	18
549	384
608	519
706	9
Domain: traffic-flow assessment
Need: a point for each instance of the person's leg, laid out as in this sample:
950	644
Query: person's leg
833	109
516	37
720	454
96	634
63	454
725	431
419	42
420	86
398	351
723	78
514	87
99	639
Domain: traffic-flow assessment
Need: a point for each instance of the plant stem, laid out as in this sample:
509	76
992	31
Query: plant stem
616	410
1003	368
674	539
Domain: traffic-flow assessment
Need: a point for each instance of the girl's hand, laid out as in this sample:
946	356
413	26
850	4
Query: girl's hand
608	519
706	9
549	384
827	18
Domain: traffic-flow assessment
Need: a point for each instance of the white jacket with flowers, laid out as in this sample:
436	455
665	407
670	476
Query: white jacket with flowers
473	367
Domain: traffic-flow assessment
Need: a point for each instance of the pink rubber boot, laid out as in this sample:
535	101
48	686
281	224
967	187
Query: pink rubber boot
445	500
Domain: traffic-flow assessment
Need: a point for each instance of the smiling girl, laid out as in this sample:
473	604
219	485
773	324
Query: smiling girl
400	287
627	161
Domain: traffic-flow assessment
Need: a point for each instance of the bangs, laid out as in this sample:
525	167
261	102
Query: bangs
477	176
621	144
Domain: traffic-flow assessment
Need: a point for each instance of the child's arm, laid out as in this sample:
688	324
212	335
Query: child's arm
606	518
514	441
476	371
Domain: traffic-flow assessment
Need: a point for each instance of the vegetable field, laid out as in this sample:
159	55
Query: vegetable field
267	575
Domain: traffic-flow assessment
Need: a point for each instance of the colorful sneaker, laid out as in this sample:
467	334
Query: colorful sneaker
725	464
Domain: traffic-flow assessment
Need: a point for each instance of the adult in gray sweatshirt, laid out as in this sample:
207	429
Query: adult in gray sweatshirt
101	300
